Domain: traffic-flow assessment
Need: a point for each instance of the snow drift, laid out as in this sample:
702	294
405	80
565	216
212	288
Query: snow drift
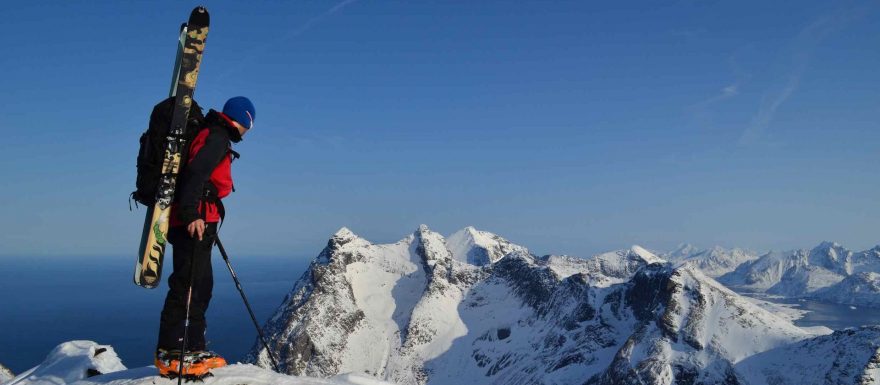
5	374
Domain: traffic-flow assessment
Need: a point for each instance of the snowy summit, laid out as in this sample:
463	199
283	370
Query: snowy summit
88	363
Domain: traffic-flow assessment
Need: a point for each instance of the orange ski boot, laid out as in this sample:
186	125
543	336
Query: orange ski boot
196	365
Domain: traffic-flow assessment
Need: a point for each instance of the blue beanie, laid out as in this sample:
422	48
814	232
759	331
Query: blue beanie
241	110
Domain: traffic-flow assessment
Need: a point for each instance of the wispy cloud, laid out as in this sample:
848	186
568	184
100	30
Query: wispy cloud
701	111
801	51
725	92
730	90
292	33
317	19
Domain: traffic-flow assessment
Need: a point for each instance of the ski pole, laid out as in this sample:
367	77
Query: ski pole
246	303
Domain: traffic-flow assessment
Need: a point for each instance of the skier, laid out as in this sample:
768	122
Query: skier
194	217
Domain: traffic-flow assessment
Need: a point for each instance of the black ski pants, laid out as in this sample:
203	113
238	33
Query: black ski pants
190	256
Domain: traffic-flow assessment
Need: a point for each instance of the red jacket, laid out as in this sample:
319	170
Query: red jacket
210	159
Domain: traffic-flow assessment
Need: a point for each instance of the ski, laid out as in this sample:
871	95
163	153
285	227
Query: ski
148	270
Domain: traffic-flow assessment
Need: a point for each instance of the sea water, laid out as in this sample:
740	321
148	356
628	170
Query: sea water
832	315
47	301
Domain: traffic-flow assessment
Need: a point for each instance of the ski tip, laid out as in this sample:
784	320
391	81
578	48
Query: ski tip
199	17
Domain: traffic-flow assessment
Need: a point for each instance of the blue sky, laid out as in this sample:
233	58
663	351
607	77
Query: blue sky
569	127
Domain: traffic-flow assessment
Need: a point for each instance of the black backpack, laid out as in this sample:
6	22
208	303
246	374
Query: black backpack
152	149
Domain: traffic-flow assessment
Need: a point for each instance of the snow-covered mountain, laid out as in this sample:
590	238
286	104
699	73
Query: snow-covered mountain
714	262
794	273
845	357
764	272
87	363
416	312
603	269
479	248
831	256
693	331
865	261
802	273
802	279
861	289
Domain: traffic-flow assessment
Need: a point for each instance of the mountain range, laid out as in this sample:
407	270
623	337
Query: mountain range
475	308
802	273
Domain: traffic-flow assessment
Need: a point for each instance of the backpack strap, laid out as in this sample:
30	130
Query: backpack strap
235	155
210	195
222	211
132	198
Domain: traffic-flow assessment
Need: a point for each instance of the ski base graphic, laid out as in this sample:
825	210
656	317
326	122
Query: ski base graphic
151	253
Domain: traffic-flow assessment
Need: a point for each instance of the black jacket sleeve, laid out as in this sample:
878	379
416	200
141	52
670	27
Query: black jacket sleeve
198	172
